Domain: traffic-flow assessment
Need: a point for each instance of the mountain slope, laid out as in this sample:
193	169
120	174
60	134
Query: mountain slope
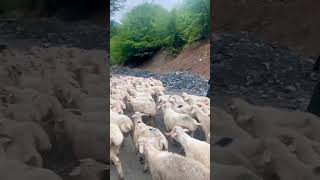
194	58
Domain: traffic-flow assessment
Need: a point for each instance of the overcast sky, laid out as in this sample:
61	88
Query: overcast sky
129	4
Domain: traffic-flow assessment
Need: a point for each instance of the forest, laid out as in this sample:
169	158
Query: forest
149	27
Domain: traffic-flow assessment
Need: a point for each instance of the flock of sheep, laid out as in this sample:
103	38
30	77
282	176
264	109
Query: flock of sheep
134	103
53	102
258	142
50	111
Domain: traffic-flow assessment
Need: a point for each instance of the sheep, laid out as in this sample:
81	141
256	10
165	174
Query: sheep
302	147
142	132
285	164
171	166
229	172
162	99
262	119
146	106
136	94
86	139
95	90
89	169
116	139
192	99
16	96
176	99
95	117
118	103
172	118
224	125
143	104
204	108
203	119
194	149
92	104
41	106
35	81
229	156
237	151
123	121
158	90
15	170
28	139
182	109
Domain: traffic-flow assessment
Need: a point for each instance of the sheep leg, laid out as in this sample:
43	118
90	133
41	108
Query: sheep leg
192	134
117	163
180	150
145	168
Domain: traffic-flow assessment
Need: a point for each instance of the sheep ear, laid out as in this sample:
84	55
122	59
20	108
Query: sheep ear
75	172
186	130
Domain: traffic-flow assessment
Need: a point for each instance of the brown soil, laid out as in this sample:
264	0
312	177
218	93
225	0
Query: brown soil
194	58
291	22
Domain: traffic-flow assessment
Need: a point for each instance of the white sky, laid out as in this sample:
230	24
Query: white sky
129	4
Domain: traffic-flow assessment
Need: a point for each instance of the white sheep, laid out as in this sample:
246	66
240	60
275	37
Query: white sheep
171	166
193	99
194	148
204	120
123	121
172	118
143	133
116	139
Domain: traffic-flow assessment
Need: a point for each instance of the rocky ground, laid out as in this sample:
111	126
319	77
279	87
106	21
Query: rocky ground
260	71
176	82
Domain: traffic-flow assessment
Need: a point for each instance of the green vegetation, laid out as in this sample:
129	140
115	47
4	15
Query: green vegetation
115	5
149	27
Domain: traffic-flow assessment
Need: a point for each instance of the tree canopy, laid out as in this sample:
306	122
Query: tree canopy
149	27
115	5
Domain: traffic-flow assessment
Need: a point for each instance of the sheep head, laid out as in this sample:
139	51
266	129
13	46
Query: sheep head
176	132
240	110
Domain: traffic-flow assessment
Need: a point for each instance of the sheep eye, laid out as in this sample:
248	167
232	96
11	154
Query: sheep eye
180	106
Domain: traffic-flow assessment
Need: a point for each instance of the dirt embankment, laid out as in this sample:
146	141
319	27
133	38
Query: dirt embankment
194	58
293	23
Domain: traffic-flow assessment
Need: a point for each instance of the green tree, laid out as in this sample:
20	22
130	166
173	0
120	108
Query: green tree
141	34
115	5
194	19
175	40
149	27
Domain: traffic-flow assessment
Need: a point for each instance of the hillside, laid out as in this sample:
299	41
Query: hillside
194	58
293	23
